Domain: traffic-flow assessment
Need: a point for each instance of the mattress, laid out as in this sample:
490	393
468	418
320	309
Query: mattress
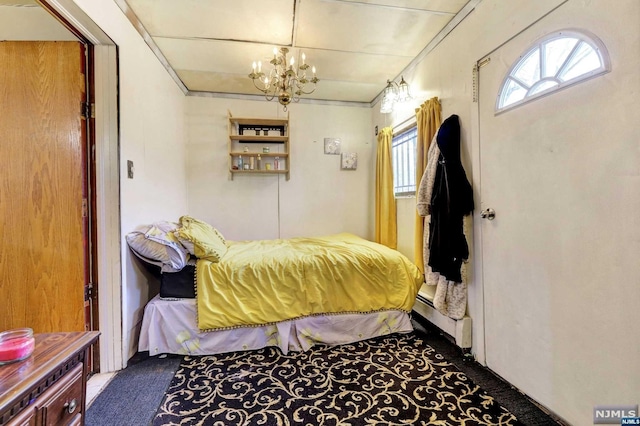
169	326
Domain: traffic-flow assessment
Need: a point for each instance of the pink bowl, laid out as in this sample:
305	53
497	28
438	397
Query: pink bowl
16	345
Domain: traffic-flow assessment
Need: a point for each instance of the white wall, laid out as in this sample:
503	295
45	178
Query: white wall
152	135
446	73
319	198
31	23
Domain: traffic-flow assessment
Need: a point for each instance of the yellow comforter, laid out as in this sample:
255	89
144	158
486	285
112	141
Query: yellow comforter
263	282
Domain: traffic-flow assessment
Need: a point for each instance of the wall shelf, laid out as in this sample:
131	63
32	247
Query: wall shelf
260	139
245	132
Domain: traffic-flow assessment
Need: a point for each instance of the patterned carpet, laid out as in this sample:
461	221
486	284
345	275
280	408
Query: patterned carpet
392	380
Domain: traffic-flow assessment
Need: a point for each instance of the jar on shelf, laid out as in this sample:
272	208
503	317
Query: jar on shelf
265	150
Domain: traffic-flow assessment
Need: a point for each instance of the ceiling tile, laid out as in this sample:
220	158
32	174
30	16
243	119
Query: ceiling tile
356	45
348	27
265	21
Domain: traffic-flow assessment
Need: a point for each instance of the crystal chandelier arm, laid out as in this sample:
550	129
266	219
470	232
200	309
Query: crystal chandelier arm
258	77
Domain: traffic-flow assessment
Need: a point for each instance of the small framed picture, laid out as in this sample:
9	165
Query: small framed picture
349	160
332	146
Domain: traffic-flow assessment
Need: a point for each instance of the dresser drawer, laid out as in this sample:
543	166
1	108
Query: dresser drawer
26	418
63	403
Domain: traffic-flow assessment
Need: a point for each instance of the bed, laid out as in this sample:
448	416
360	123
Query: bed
289	293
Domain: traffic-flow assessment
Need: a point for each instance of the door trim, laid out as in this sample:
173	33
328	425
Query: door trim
477	327
107	178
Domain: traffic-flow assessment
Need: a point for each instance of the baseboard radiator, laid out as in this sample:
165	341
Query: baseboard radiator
459	330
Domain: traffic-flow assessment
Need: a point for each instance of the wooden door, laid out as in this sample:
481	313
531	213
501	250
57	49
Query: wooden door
43	184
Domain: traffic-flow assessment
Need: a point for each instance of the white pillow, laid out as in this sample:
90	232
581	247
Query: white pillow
158	243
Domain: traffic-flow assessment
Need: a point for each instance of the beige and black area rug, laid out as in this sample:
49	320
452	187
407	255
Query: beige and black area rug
392	380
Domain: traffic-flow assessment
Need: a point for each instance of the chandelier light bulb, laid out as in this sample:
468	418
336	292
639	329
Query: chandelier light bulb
254	66
394	93
259	66
303	58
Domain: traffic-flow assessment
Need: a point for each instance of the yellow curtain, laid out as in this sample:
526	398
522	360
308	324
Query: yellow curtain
386	226
428	120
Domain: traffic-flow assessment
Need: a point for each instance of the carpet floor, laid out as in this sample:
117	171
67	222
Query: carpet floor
419	378
391	380
133	395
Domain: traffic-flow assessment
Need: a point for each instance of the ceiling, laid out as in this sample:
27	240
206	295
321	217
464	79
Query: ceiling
356	46
208	46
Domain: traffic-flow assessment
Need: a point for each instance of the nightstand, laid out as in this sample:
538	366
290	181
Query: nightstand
49	387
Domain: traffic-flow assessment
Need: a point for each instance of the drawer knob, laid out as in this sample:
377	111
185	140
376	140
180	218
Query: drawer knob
71	406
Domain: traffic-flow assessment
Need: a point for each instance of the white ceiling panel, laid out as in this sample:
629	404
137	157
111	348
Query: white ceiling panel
437	6
199	81
264	21
213	55
348	27
202	81
355	67
356	45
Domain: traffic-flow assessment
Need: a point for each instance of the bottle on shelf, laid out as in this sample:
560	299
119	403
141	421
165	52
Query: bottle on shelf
276	163
240	165
258	165
252	162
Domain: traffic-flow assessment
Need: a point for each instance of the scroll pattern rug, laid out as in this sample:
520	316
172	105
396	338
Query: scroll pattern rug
392	380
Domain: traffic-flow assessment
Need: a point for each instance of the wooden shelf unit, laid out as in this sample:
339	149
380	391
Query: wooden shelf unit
255	144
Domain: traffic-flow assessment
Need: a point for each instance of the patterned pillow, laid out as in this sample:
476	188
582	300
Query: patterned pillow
201	239
158	243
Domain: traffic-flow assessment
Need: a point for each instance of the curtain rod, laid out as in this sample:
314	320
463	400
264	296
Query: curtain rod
398	128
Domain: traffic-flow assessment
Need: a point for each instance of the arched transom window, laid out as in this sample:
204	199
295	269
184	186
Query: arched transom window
554	62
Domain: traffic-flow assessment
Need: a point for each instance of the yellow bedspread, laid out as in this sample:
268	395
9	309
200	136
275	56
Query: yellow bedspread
266	281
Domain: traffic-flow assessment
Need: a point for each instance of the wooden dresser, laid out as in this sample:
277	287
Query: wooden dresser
49	387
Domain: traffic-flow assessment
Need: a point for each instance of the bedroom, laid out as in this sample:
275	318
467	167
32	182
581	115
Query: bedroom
171	140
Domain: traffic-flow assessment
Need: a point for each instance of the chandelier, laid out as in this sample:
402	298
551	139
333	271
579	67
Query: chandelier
394	92
284	81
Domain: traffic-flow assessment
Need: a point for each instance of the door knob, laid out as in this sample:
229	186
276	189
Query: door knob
488	214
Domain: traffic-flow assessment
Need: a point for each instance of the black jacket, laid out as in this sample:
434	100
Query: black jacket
451	199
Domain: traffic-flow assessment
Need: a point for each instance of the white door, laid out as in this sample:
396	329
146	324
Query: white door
561	258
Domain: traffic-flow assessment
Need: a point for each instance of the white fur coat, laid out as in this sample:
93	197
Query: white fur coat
451	297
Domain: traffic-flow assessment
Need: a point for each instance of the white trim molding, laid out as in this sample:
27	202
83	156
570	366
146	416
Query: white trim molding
107	182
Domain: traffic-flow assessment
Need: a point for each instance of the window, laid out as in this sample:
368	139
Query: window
553	63
403	150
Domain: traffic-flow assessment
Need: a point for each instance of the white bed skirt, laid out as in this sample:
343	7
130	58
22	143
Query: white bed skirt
169	326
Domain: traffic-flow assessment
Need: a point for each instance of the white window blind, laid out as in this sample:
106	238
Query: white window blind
403	149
